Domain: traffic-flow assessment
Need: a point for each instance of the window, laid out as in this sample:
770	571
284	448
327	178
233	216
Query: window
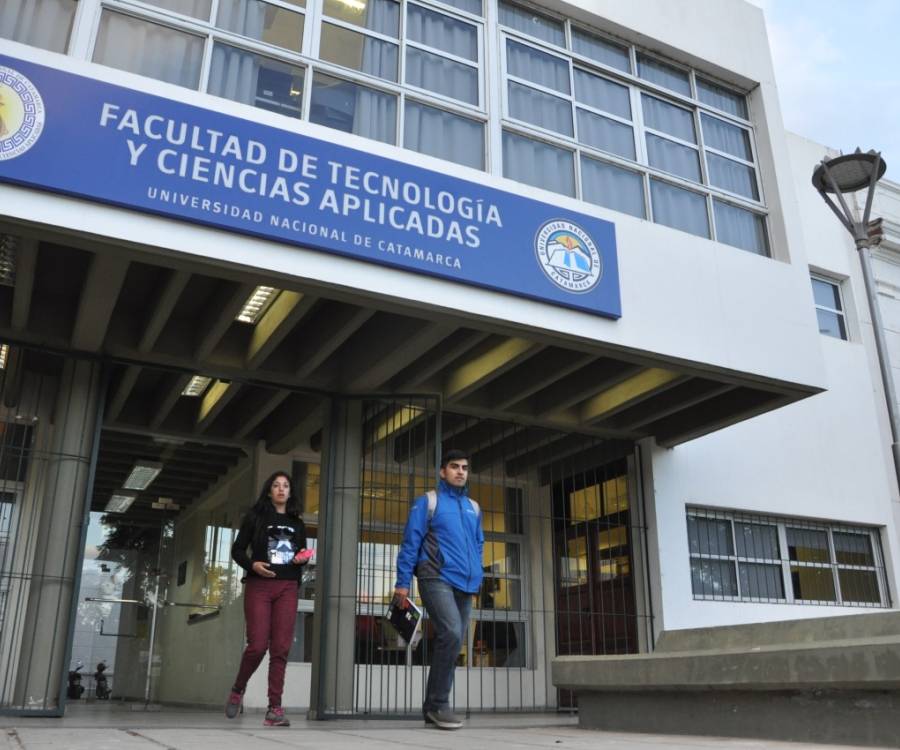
745	557
829	307
40	23
651	138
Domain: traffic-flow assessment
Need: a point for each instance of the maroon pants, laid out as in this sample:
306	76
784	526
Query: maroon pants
270	610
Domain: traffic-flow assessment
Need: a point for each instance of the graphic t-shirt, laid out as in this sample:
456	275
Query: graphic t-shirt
274	539
281	545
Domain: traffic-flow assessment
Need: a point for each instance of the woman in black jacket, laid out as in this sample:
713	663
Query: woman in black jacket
276	537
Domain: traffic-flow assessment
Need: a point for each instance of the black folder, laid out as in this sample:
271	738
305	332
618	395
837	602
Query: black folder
407	622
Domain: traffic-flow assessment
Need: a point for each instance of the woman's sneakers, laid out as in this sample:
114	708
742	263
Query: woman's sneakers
233	704
275	717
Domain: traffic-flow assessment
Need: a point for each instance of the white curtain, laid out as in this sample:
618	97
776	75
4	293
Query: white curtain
679	209
743	229
538	164
247	17
442	32
725	137
234	74
532	65
668	118
532	24
603	133
602	94
196	8
673	157
149	49
432	131
540	109
609	186
731	176
40	23
441	75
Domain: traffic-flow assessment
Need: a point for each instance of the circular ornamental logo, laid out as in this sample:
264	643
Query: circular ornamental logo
568	256
21	114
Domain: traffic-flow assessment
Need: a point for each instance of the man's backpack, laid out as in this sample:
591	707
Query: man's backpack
432	504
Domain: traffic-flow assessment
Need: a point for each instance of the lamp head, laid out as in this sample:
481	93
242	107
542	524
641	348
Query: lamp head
851	172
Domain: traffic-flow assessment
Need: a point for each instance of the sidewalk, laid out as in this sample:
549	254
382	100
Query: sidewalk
119	728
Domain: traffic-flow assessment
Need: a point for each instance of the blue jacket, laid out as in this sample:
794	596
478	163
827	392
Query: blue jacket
448	547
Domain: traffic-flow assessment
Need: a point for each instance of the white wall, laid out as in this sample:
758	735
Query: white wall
823	458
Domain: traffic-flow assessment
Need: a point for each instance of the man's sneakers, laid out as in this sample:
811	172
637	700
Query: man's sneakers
275	717
442	718
233	705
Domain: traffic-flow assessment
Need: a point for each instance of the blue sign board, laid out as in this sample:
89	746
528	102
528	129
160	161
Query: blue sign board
75	135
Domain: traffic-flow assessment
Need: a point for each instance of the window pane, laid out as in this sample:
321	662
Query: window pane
813	584
612	187
149	49
540	109
761	581
601	50
40	23
352	108
253	79
442	32
526	62
498	644
359	52
853	549
808	545
713	578
521	19
433	131
859	586
732	176
726	137
662	74
605	134
826	294
538	164
740	228
756	540
721	98
831	324
196	8
679	208
441	75
602	94
673	157
258	20
668	118
472	6
382	16
709	536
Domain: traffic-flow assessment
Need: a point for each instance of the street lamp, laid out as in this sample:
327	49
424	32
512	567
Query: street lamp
834	178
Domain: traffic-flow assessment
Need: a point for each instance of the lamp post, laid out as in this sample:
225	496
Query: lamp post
834	178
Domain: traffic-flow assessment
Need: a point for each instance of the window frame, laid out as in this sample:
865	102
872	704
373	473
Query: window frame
841	313
782	524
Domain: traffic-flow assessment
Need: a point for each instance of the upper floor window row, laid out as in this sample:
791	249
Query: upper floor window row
617	127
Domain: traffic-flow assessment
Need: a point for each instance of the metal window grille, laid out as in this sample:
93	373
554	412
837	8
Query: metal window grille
748	557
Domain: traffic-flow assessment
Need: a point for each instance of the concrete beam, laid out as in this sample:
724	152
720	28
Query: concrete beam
26	262
165	303
293	427
329	337
98	300
220	315
276	323
431	363
167	397
214	400
486	366
628	392
122	392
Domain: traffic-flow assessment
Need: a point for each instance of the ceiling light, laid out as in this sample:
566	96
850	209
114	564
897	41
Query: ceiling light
143	473
256	304
120	502
196	385
4	355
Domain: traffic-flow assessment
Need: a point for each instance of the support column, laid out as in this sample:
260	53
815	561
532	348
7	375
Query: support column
58	551
339	512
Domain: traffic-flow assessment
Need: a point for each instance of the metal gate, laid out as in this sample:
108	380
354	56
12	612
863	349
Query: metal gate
49	420
563	541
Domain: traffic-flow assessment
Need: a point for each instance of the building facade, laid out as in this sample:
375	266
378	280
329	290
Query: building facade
338	236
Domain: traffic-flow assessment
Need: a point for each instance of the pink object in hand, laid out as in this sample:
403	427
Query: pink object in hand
303	555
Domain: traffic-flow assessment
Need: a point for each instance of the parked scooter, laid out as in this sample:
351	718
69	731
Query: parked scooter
101	685
74	688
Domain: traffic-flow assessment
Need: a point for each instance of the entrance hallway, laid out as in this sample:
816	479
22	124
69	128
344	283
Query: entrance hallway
91	727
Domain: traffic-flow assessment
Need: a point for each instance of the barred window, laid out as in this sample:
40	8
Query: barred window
743	557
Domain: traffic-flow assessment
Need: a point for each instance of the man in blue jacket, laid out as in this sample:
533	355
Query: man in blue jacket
442	544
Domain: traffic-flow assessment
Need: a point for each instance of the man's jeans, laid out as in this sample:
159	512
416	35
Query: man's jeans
449	609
